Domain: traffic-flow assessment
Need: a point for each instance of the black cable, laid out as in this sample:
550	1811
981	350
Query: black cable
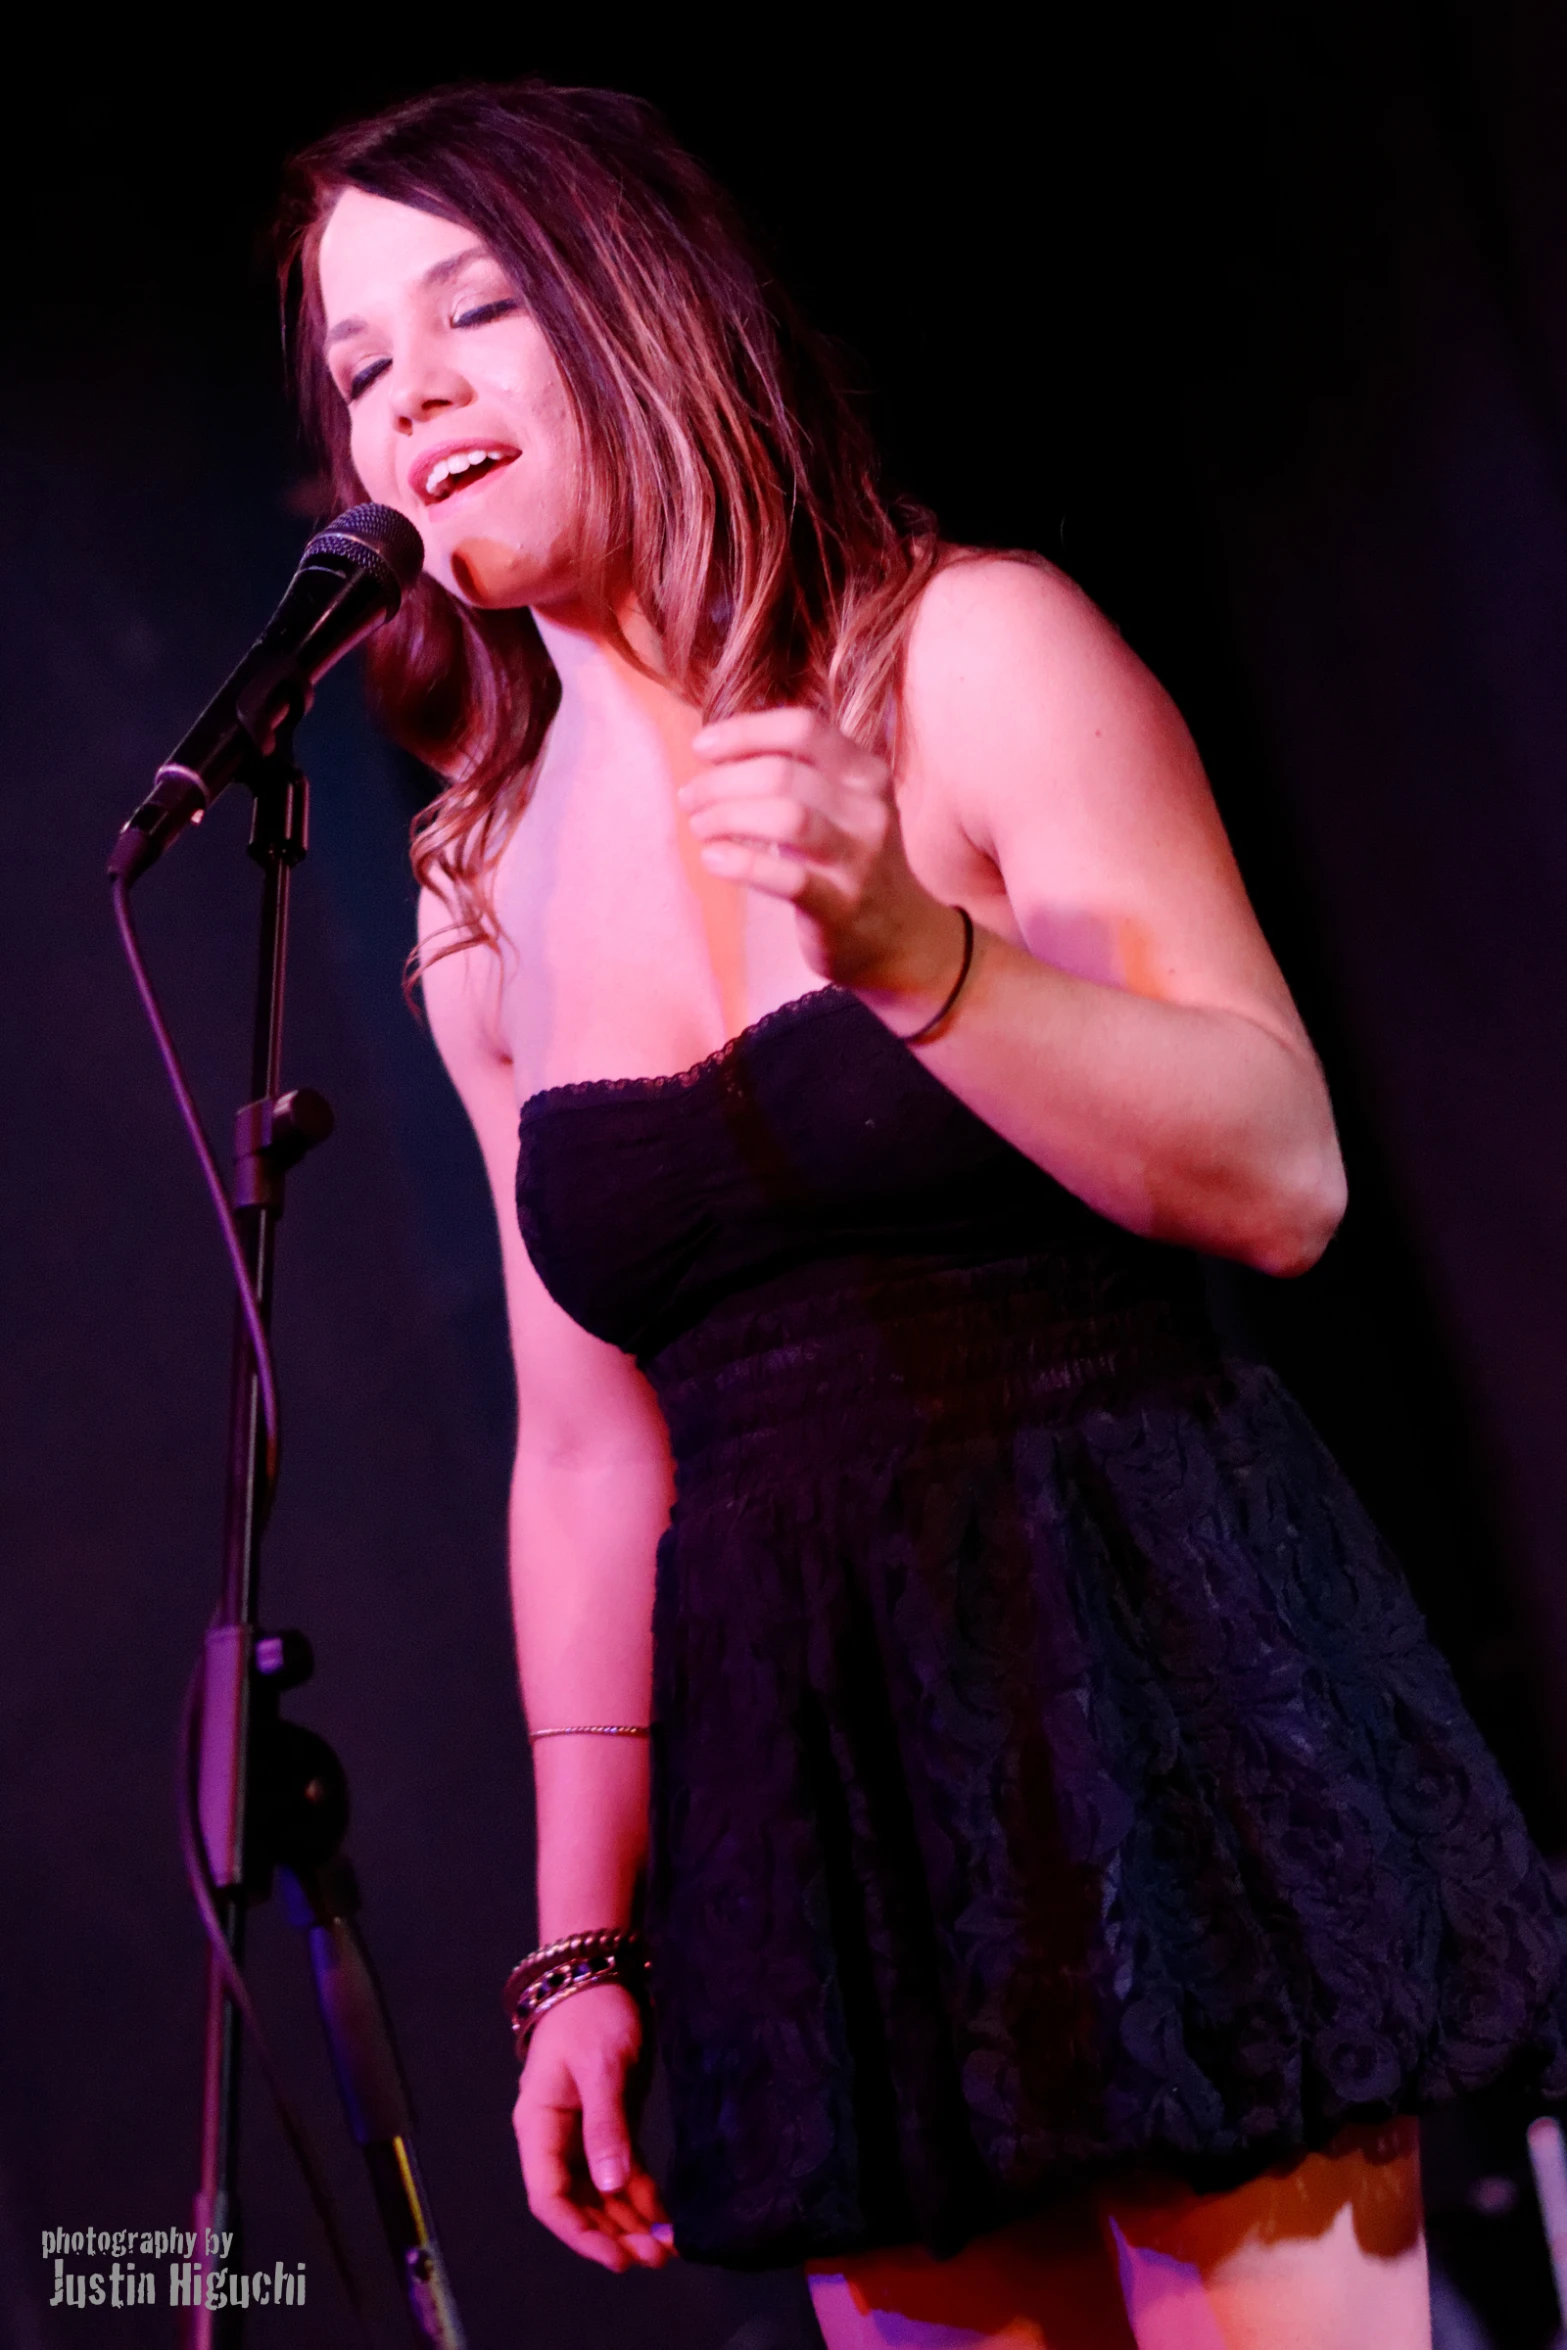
203	1892
197	1872
255	1328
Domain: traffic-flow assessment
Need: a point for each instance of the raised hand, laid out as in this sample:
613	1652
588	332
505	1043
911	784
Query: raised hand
790	806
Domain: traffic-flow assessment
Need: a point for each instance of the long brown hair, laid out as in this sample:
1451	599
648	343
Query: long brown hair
728	484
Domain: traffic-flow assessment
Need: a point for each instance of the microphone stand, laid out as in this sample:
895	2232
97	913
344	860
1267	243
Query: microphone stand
270	1795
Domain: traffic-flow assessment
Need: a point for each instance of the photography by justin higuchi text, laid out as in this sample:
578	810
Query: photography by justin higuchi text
163	2268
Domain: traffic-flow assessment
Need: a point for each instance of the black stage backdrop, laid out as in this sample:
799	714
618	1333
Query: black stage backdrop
1256	320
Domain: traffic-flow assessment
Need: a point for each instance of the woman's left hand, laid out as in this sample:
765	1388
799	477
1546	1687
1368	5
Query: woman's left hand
790	806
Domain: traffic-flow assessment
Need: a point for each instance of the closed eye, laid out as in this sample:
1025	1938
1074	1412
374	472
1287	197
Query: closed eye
484	312
366	376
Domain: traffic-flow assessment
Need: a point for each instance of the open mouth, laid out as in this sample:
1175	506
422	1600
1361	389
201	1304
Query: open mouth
458	469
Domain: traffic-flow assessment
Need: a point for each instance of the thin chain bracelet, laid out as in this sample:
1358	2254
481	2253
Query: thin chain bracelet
594	1730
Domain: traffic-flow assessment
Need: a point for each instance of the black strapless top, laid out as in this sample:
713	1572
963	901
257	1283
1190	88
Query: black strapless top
811	1140
1051	1770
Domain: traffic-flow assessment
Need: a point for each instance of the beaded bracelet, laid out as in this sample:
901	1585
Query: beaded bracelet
593	1730
579	1962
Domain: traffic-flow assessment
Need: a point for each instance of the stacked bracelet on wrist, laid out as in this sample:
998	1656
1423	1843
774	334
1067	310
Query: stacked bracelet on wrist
580	1962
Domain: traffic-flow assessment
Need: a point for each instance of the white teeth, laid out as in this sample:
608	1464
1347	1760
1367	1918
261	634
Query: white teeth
460	461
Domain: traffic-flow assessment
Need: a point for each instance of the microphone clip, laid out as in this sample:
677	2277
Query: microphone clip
269	705
280	820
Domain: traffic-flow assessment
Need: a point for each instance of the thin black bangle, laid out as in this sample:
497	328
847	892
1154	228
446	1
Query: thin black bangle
939	1019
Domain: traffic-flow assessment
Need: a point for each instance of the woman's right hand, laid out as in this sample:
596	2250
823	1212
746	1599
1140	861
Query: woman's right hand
579	2166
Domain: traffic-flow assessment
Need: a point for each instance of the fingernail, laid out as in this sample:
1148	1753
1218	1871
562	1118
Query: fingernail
609	2176
661	2232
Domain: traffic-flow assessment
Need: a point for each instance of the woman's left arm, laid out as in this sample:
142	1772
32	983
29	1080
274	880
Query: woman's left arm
1124	1023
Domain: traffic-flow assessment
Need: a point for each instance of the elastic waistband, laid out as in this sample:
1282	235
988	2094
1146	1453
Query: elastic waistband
939	1350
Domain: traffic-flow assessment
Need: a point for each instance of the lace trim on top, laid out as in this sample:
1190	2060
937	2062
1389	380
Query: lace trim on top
815	1000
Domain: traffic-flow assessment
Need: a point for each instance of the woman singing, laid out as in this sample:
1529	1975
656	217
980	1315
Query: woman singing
1070	1866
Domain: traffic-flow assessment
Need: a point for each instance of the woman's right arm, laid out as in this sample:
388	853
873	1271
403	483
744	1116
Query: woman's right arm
590	1497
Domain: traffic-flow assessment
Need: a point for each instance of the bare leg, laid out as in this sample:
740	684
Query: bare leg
1045	2284
1328	2255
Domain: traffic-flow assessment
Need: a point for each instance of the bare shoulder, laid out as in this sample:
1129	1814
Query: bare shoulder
980	607
1033	727
1016	684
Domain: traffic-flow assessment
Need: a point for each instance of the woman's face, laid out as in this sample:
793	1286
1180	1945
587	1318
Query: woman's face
457	413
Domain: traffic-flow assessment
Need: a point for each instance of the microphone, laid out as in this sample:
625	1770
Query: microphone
351	577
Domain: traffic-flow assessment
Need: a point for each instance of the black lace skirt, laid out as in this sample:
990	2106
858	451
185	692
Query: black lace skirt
1051	1771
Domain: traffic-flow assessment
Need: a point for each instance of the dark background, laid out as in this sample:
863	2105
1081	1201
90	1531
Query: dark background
1253	318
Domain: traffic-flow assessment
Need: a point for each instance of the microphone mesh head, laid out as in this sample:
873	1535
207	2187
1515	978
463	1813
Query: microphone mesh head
376	538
